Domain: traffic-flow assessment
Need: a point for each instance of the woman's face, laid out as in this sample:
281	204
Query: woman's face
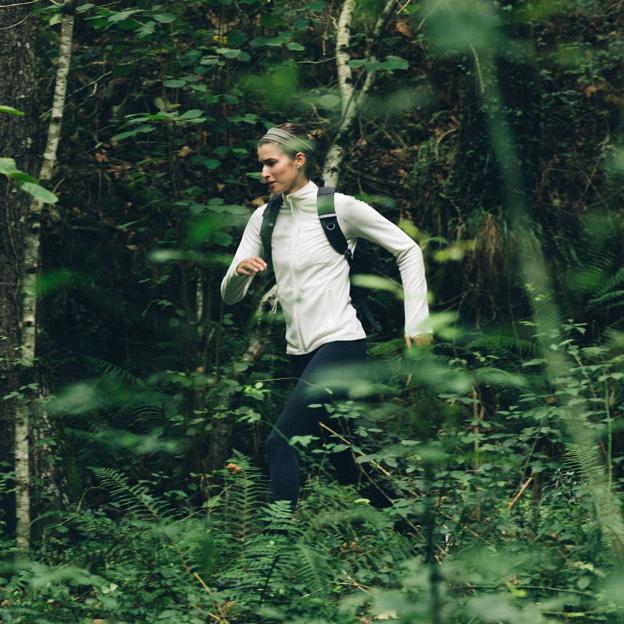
282	173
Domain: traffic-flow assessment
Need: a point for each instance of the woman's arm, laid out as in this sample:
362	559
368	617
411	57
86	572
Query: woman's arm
236	284
359	220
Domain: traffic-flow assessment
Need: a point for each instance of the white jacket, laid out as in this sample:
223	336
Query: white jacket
313	279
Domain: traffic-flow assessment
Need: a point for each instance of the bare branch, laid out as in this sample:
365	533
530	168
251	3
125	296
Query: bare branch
17	4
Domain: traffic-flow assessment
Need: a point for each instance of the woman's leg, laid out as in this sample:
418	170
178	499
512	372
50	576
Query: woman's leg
297	418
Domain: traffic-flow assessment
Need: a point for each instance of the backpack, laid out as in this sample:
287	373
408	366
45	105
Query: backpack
358	262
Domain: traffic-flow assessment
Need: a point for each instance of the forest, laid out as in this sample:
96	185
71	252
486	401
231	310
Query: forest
135	404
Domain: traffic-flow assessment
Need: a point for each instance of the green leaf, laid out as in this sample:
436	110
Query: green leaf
129	133
210	60
20	177
293	45
8	166
193	113
356	63
209	163
329	101
228	52
57	18
9	110
174	83
394	62
39	193
122	16
235	38
165	18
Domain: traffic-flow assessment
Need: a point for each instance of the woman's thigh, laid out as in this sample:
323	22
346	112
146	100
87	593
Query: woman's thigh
326	376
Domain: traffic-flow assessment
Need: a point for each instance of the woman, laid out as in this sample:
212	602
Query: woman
322	329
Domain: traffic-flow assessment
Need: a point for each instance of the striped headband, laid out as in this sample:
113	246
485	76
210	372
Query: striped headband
283	137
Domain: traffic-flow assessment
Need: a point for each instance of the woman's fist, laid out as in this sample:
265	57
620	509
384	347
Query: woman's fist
251	266
424	340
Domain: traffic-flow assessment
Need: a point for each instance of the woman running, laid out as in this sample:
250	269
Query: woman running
323	331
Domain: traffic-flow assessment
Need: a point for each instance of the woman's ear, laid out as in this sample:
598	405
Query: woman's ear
300	160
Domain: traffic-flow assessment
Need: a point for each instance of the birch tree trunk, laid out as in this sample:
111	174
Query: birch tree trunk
41	429
27	220
351	101
17	89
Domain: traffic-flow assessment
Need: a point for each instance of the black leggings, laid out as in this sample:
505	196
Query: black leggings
298	419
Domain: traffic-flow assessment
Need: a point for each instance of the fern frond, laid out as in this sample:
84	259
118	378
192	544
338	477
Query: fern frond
113	372
584	461
504	344
313	569
134	499
611	283
244	495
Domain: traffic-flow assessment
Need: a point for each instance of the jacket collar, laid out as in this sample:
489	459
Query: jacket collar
305	196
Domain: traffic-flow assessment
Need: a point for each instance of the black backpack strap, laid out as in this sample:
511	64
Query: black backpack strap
268	225
327	215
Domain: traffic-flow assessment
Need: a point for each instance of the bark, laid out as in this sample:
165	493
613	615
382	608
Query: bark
26	222
42	429
17	89
351	101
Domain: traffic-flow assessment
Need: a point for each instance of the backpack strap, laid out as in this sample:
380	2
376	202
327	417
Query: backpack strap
268	225
329	221
327	214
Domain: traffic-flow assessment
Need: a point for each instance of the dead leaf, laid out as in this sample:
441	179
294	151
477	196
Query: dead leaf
589	90
402	27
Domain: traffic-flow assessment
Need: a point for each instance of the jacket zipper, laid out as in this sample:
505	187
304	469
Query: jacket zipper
292	275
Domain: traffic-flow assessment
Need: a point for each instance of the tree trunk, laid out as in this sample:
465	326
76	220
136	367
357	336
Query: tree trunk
351	102
43	430
17	89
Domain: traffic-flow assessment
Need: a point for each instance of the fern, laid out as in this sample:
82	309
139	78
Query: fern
611	283
587	463
111	372
243	496
504	344
136	499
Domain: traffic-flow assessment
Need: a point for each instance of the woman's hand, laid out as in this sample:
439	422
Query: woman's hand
424	340
251	266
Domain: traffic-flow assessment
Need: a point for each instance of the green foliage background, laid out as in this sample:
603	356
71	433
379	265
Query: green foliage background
493	136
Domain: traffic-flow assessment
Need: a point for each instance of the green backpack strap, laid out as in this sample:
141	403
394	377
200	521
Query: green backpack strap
329	221
268	225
